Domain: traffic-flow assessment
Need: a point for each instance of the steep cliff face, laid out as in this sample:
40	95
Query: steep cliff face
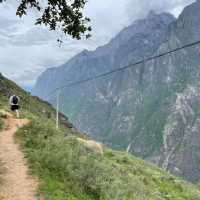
180	79
92	106
153	108
142	38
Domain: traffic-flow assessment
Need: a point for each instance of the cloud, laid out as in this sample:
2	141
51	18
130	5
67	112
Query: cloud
108	17
140	8
26	50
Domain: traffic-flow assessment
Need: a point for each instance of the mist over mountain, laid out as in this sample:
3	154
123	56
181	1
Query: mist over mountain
152	108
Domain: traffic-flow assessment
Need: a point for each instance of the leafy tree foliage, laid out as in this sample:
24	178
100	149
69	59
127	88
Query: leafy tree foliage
66	15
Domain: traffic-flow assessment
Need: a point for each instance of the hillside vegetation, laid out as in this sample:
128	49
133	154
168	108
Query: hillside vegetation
29	104
71	171
68	170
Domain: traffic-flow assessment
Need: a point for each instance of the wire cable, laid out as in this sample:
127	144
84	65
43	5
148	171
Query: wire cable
123	68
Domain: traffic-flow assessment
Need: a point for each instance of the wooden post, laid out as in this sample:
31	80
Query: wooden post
57	109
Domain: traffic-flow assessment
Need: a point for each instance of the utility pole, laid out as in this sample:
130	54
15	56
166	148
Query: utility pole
57	109
58	92
29	103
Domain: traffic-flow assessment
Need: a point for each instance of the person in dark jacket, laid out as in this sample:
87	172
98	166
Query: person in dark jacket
14	104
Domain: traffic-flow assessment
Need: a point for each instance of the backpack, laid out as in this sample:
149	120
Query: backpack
15	100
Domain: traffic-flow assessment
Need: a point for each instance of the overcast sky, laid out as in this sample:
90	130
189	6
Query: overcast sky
26	50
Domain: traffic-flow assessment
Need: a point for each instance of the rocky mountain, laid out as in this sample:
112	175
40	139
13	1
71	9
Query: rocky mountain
151	109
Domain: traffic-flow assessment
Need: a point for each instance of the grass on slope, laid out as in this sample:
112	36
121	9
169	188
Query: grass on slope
28	103
69	171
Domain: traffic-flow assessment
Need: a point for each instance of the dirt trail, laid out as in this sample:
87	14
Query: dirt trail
17	184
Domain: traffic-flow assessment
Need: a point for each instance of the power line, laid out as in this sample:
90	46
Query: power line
124	67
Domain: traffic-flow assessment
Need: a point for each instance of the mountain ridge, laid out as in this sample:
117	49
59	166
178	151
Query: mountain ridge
101	50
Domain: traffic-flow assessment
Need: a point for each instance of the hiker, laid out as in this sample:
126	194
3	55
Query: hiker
14	104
